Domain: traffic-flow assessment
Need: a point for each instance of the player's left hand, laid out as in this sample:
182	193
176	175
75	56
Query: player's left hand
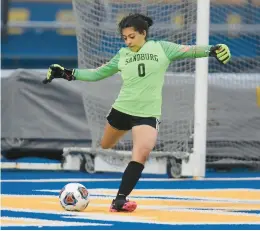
221	52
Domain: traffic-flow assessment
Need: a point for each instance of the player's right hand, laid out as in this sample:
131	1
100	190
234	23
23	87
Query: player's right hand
56	71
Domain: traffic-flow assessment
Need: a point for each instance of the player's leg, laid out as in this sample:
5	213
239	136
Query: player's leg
144	140
117	125
144	135
111	136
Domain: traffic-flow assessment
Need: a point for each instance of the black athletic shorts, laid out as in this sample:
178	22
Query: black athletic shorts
122	121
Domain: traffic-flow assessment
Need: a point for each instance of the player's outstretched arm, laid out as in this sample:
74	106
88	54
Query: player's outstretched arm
56	71
176	51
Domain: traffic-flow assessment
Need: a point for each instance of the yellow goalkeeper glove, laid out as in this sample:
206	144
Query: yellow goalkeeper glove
221	52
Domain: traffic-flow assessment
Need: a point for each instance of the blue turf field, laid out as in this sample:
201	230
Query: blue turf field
221	201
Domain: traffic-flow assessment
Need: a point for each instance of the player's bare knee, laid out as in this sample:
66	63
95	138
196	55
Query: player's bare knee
146	149
140	158
141	154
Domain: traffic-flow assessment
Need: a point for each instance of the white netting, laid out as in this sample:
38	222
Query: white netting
98	40
97	33
233	117
237	24
237	118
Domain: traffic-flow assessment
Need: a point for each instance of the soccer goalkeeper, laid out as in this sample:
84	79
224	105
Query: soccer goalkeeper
142	64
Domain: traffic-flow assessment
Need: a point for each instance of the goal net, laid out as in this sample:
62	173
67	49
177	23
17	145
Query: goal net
233	116
233	131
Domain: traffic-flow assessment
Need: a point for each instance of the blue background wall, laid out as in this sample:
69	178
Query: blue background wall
37	48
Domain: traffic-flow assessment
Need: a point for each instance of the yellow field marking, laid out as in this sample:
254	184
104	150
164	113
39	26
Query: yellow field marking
147	210
53	203
258	96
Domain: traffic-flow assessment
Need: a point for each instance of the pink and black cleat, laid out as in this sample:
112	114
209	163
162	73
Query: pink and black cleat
122	206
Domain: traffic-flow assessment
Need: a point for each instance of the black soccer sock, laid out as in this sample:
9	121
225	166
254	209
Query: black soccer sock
129	179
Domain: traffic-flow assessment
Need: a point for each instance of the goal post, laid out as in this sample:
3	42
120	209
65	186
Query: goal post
209	113
201	91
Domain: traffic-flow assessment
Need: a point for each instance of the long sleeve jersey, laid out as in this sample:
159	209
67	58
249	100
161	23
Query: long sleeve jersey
143	74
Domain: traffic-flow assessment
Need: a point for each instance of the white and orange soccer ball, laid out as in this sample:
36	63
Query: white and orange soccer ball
74	197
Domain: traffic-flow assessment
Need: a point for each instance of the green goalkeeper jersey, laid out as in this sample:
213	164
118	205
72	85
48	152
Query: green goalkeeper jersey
143	74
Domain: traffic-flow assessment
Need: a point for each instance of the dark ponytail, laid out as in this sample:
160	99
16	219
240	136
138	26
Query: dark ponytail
139	22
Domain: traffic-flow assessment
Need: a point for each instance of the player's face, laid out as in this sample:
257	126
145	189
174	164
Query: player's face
133	39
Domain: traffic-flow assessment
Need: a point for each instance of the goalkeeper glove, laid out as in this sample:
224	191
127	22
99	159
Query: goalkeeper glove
56	71
221	52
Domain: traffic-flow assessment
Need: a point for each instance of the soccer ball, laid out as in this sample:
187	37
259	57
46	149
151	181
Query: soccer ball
74	197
